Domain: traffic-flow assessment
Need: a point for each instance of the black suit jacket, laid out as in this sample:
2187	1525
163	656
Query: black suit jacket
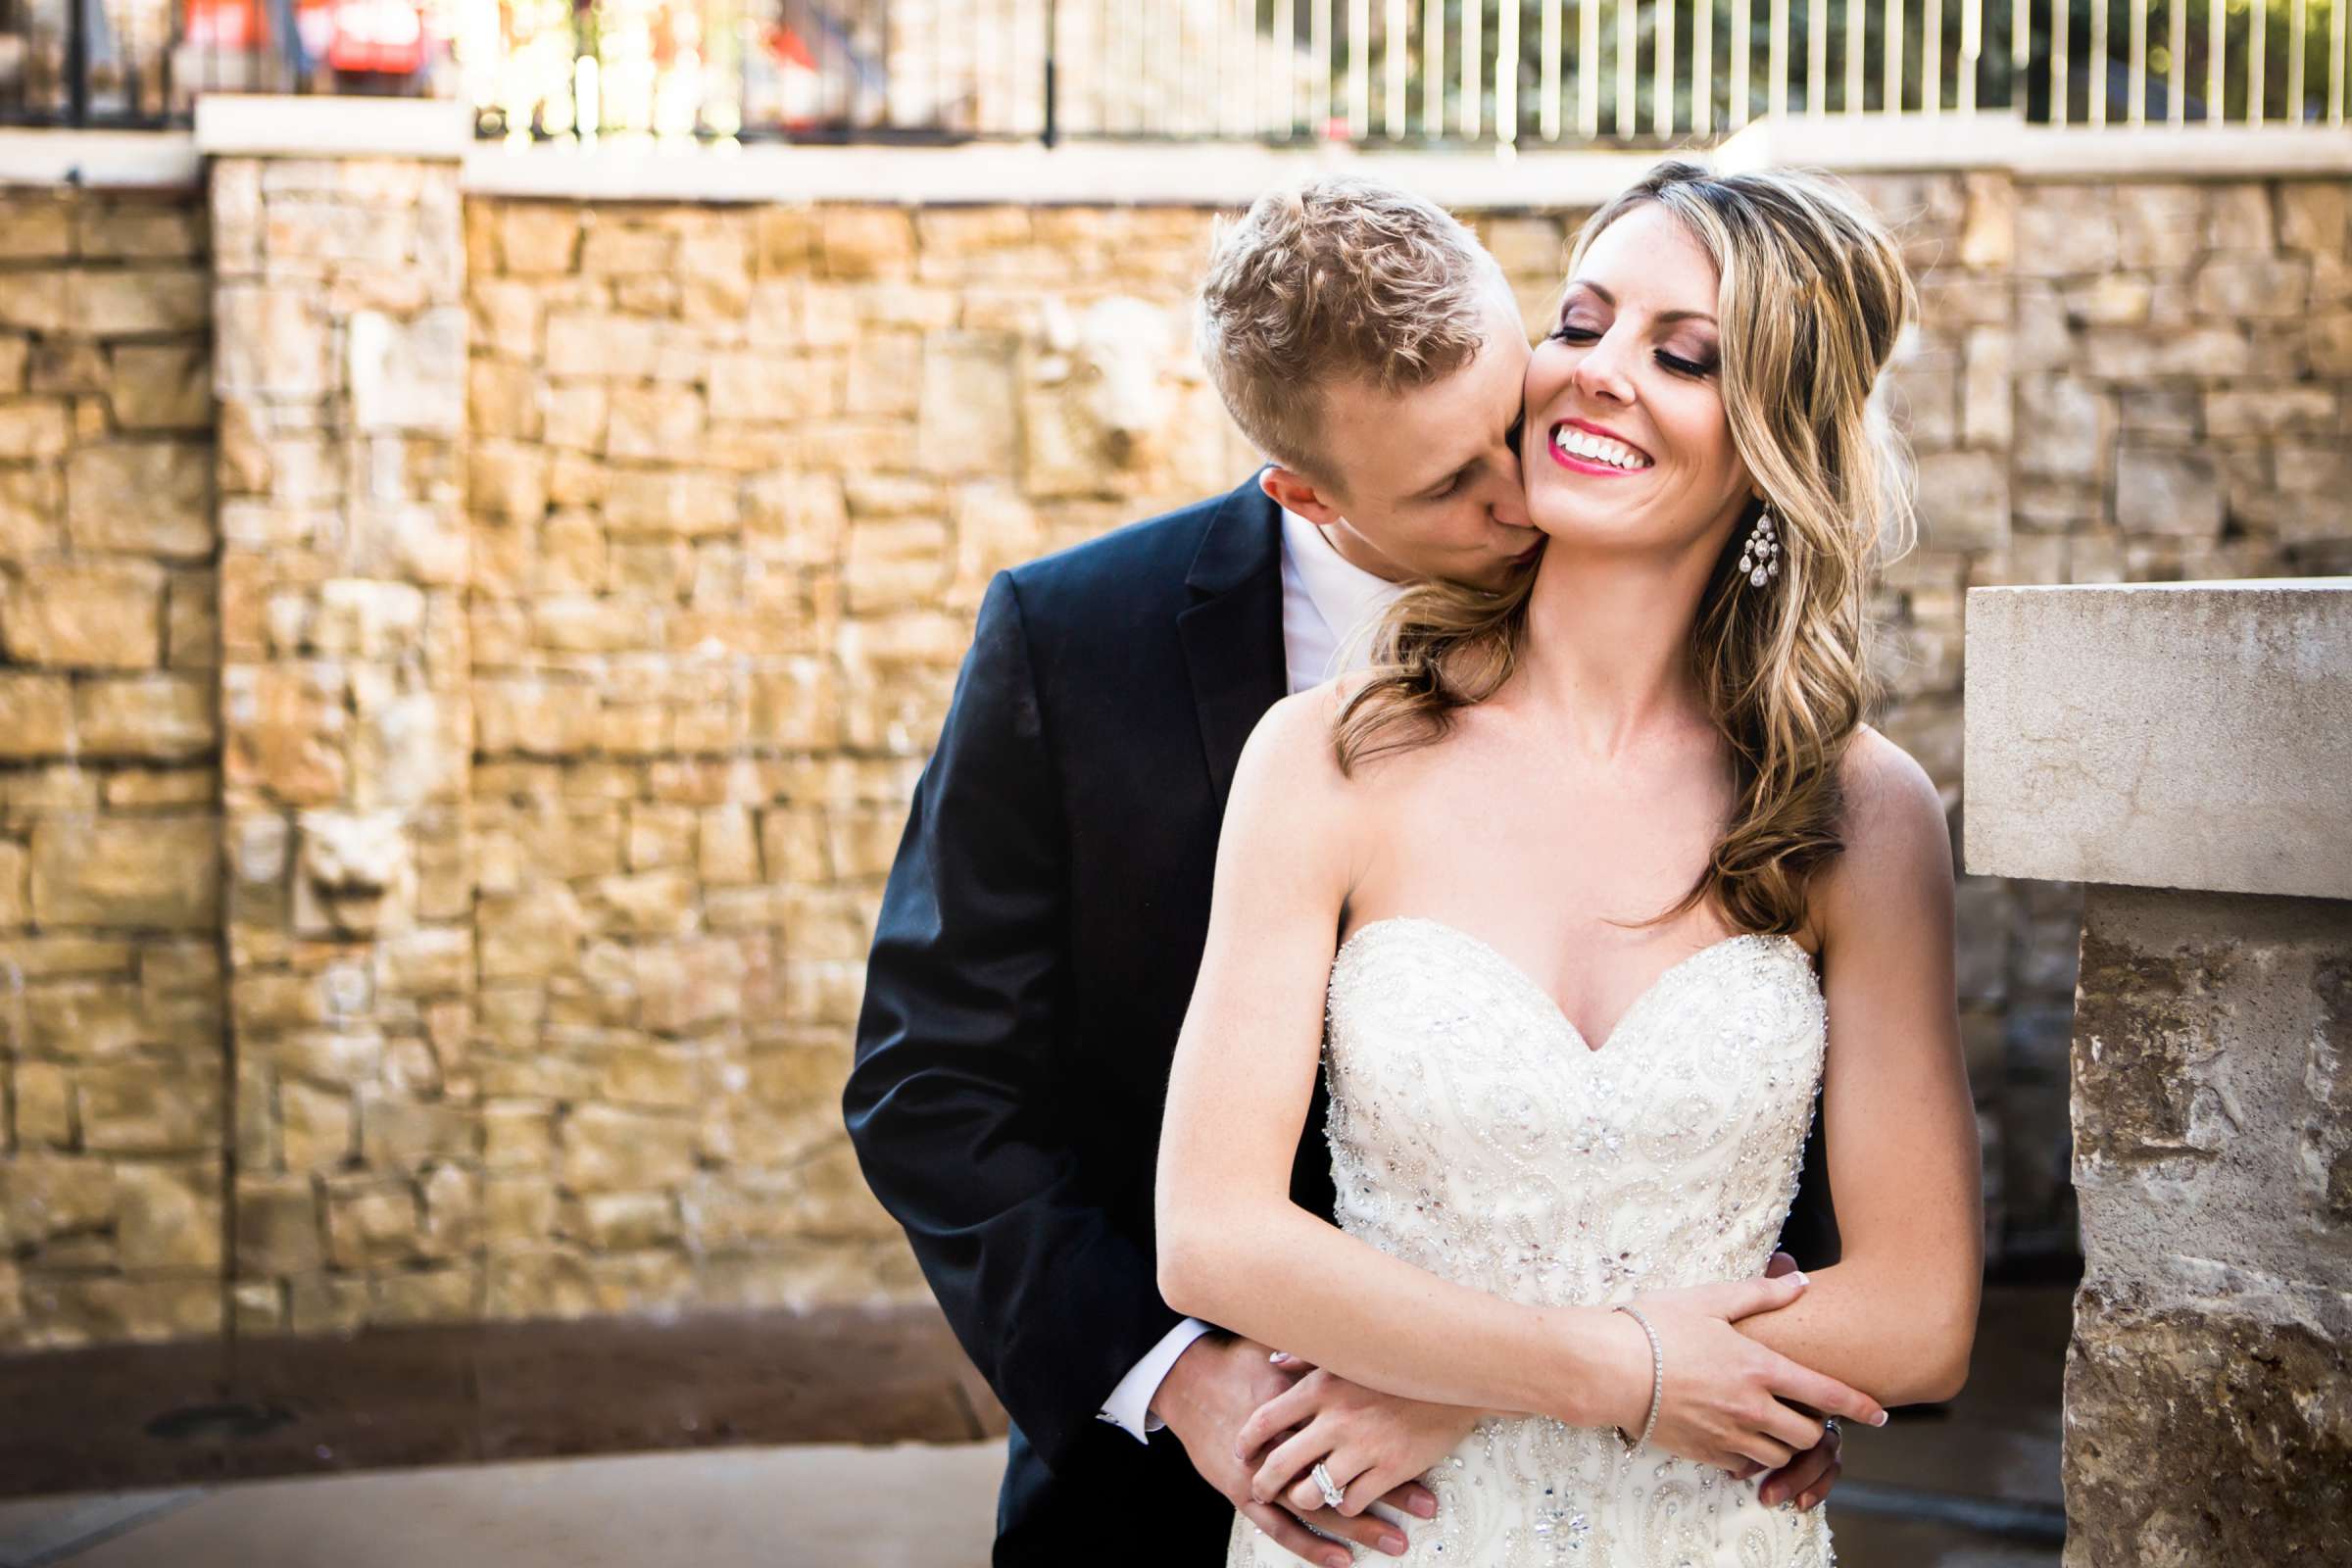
1036	952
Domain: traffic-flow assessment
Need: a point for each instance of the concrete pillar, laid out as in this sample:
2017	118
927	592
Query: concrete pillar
2186	751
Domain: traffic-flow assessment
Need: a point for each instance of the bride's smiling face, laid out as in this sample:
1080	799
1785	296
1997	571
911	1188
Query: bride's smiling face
1628	444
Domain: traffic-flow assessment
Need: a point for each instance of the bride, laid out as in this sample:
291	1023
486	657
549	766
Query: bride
1577	898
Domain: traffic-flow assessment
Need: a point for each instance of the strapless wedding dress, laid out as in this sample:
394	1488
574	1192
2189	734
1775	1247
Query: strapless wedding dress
1475	1133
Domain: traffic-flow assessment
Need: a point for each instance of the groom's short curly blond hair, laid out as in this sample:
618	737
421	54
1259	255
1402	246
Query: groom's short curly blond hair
1339	278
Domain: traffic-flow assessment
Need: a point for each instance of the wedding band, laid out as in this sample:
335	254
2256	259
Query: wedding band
1333	1493
1828	1423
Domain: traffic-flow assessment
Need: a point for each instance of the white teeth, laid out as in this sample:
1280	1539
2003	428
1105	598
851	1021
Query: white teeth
1597	448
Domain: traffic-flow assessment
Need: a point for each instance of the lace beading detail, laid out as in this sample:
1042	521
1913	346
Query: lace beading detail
1475	1133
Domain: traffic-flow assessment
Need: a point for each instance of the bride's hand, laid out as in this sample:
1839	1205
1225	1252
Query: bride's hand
1371	1443
1726	1401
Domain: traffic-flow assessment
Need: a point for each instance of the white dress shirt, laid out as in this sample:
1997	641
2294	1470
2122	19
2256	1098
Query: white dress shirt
1329	607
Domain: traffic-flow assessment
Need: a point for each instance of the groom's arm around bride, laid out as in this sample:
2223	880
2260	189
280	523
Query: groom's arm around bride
1030	970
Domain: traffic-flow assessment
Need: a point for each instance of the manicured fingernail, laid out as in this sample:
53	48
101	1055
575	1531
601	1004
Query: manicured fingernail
1799	1277
1426	1508
1393	1546
1337	1559
1881	1420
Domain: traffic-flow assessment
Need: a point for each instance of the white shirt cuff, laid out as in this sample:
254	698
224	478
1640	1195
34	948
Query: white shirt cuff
1129	1407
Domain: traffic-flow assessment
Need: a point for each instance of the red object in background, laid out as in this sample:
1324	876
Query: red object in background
786	47
386	36
233	25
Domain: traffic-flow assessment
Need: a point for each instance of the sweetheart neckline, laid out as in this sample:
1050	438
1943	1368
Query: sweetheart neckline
1551	1004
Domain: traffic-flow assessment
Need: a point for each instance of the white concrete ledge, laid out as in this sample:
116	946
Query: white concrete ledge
1185	174
2182	735
1924	143
99	159
1200	174
250	125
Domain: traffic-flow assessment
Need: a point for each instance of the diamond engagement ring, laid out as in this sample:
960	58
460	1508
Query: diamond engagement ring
1333	1493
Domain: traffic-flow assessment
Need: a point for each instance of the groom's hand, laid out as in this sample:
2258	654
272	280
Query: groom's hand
1215	1386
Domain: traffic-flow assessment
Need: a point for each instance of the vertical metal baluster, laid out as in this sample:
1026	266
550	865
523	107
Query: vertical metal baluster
2335	62
1261	97
1662	78
2298	18
1474	63
1285	64
1776	90
2021	56
1506	72
1972	50
1893	64
2060	106
1702	68
2098	61
1359	69
2217	64
1628	107
1399	62
1817	58
1319	51
2175	73
1230	112
1931	56
1433	68
1857	33
2135	99
1548	43
2257	57
1587	68
1741	25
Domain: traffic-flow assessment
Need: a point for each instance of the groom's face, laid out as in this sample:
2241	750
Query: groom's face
1425	482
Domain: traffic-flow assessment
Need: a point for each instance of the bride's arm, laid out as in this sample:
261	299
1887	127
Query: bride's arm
1896	1313
1233	1248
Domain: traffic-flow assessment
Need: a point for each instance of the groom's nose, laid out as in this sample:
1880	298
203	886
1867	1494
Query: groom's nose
1509	503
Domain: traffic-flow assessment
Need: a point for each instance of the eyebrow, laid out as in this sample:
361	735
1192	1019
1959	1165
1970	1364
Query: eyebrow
1610	300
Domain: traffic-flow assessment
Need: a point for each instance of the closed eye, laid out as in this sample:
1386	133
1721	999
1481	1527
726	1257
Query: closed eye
1672	361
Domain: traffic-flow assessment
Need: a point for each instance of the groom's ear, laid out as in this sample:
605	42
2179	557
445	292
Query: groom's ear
1292	489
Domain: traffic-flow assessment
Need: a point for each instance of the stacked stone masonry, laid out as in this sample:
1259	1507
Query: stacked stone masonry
467	660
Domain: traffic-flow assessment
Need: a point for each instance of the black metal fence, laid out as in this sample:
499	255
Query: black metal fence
1417	72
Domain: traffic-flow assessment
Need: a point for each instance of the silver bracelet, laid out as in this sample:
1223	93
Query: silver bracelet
1657	1381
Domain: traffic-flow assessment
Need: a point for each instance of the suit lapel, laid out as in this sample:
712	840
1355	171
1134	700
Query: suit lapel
1232	634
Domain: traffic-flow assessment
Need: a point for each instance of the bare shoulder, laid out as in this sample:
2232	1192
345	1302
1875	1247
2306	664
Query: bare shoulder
1293	738
1889	795
1898	846
1288	778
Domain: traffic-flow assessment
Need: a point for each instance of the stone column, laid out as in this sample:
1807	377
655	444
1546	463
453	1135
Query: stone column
340	370
2186	751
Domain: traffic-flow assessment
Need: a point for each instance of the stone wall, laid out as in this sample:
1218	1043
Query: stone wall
111	1037
591	582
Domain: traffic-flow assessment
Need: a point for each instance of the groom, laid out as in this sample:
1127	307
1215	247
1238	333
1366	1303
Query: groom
1047	908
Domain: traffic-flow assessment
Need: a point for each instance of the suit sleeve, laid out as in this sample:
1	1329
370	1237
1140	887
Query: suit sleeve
959	1125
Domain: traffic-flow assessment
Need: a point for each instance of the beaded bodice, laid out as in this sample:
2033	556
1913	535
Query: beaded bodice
1474	1133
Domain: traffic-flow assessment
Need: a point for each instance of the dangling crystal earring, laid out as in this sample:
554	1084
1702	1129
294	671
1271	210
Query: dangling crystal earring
1760	556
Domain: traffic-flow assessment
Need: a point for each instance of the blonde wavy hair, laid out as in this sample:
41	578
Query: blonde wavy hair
1811	298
